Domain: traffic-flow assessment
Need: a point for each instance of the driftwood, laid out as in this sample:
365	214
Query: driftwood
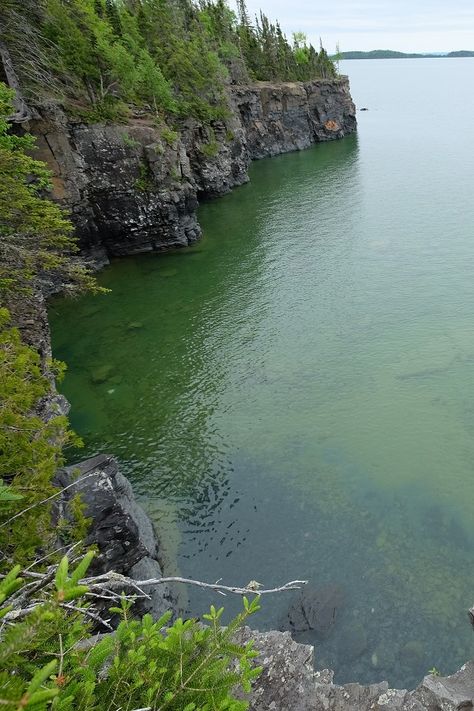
22	112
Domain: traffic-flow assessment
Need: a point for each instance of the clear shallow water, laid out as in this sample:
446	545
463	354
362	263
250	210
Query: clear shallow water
293	396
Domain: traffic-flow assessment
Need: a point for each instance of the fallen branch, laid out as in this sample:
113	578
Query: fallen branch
112	586
110	580
249	589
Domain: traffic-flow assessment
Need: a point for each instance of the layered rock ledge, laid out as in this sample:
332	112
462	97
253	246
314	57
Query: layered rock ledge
290	683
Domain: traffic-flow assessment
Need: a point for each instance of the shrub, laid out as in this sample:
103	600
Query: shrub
50	660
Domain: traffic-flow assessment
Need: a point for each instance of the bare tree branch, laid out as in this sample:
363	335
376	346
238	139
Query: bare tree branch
112	580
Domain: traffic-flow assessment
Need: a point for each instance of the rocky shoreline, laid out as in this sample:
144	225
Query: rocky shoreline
134	187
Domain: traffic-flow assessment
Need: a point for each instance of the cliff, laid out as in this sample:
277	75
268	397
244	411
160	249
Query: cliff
135	187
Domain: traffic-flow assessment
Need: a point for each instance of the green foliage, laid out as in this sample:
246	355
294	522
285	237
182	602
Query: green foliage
144	182
129	141
35	243
173	58
170	137
210	150
7	494
144	664
35	236
31	447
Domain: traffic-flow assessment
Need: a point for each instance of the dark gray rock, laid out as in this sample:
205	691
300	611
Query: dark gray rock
279	118
120	529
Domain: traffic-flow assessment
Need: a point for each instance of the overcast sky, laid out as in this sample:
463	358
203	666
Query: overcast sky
404	25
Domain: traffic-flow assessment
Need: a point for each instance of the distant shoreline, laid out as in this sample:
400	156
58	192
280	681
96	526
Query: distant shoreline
391	54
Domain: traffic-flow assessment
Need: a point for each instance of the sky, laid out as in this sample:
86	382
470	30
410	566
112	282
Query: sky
403	25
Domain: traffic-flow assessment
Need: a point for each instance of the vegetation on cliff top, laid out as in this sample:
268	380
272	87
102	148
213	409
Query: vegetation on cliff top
173	57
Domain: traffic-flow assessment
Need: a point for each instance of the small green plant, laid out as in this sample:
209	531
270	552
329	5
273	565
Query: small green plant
144	182
109	110
129	141
170	137
229	136
210	150
184	666
434	672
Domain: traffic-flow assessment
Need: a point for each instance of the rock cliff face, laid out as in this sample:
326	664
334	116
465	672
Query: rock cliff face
135	187
279	118
120	529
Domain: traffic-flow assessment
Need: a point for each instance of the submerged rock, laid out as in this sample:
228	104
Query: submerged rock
315	608
352	642
101	374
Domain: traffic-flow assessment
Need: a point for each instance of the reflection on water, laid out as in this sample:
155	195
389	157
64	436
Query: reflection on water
292	397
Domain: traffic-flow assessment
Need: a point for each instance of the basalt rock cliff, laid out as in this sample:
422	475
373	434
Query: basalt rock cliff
135	187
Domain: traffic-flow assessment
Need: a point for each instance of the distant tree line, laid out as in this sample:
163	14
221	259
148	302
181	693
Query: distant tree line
391	54
174	56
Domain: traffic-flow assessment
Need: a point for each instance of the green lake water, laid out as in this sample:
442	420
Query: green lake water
293	396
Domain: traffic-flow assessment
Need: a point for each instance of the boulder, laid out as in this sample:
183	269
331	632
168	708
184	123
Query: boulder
120	529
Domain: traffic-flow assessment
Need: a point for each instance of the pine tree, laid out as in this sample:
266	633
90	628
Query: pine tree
113	17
